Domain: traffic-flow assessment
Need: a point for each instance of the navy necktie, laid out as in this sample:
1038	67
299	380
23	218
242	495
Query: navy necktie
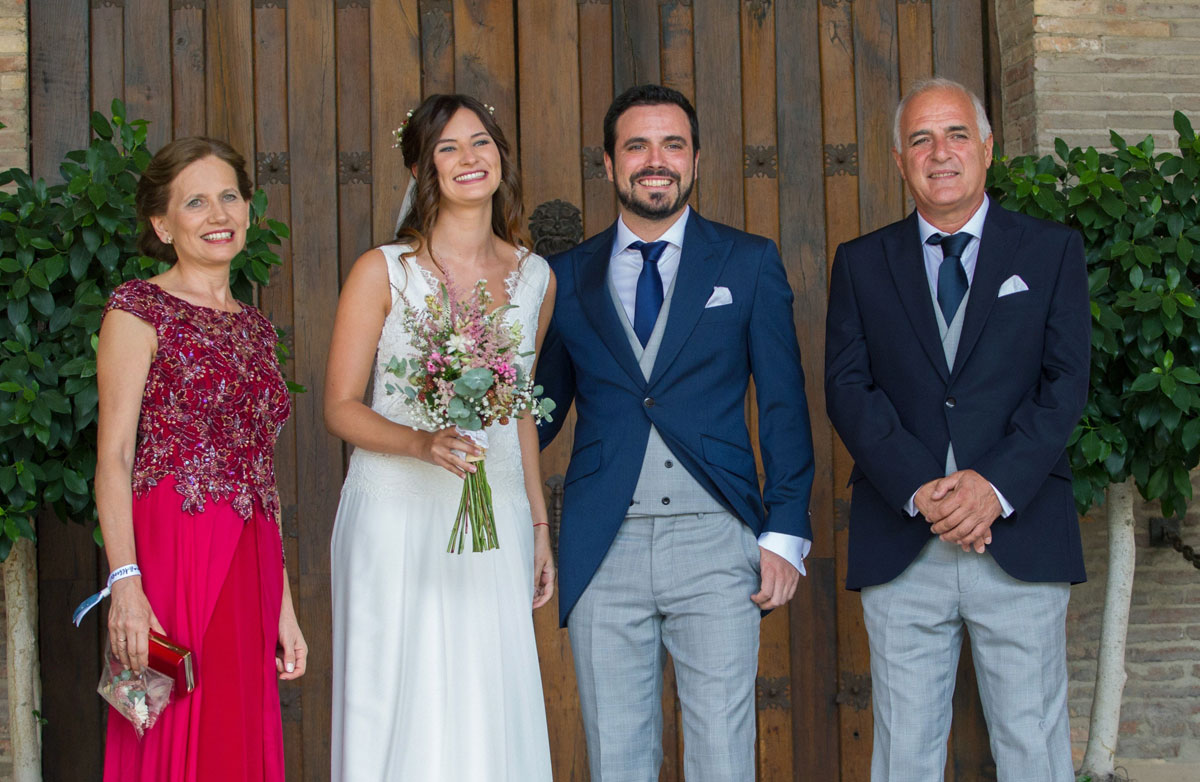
952	277
649	297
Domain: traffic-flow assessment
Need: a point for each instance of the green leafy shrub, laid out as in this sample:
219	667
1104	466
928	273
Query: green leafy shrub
63	248
1140	219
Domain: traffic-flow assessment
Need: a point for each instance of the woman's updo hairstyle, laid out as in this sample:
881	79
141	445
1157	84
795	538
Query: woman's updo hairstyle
154	188
419	143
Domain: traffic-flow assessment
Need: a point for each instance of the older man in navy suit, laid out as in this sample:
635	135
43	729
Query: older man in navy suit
956	368
660	322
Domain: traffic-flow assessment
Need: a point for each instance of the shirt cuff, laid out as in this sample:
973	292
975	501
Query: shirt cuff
793	548
1006	509
910	507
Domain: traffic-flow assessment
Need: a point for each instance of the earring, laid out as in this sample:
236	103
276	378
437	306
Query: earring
170	240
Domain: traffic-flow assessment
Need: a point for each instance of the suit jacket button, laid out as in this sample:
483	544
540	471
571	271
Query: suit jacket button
668	464
648	402
631	503
950	401
666	500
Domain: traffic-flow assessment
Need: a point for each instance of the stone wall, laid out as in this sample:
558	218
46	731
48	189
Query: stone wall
1014	26
1160	715
1127	65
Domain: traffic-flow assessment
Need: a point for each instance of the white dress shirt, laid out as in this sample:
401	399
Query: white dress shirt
933	265
624	266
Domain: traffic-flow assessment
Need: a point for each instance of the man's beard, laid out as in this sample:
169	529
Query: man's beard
659	209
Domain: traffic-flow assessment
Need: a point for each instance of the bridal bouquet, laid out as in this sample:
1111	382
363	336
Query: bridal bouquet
465	374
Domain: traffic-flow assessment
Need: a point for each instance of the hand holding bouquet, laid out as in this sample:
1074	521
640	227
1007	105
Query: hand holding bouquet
466	374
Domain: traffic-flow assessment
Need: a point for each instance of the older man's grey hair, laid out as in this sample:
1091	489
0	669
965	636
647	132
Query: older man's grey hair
927	85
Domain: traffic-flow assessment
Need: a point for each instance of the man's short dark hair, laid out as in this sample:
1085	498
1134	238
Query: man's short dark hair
647	95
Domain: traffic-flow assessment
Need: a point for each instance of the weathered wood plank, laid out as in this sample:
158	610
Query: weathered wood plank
275	299
718	92
312	149
814	674
395	88
68	563
107	62
548	37
59	94
353	134
914	34
876	89
596	92
958	42
230	73
187	71
635	44
801	218
437	46
970	756
678	42
760	174
854	717
148	90
484	57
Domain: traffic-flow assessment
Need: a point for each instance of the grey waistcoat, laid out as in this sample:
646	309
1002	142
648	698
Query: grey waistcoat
664	487
950	337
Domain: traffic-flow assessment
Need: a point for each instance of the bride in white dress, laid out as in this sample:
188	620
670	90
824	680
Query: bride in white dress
435	670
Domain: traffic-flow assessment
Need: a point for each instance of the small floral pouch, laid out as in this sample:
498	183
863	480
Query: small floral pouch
138	697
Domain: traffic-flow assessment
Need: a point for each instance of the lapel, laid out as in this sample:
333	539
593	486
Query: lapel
591	289
906	261
993	266
703	257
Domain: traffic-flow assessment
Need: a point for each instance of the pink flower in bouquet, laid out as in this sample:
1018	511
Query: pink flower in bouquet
465	374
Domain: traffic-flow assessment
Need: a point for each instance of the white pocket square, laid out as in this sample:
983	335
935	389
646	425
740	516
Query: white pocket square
720	297
1013	284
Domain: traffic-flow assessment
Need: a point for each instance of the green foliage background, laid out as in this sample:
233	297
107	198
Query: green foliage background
1139	214
63	248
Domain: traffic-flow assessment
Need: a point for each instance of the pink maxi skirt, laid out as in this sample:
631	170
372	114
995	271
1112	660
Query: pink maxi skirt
215	583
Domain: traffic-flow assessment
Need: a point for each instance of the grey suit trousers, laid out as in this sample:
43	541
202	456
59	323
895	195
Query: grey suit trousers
678	584
1018	640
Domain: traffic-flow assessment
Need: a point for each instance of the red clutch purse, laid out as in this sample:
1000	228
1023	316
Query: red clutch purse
175	661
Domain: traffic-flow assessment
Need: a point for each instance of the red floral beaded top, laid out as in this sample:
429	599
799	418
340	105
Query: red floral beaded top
214	401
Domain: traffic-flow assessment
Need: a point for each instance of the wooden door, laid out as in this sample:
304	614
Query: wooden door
795	100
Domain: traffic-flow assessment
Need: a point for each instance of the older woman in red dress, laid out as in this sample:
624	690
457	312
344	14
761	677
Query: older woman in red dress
191	403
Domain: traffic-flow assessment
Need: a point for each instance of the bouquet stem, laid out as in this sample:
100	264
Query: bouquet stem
474	511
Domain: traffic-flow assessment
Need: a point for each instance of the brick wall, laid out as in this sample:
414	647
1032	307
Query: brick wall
1073	69
1014	25
1160	712
14	152
14	84
1127	65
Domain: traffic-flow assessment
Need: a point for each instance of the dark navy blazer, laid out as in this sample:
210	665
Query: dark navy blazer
695	396
1009	404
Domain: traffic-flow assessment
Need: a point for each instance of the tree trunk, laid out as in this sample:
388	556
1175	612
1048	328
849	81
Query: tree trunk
24	680
1099	758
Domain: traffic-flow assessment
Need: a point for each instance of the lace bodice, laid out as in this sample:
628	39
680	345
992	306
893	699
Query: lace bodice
214	401
410	283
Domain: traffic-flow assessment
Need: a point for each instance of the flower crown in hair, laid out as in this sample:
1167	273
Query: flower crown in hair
398	133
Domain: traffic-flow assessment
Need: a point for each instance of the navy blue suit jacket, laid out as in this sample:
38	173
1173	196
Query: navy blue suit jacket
695	396
1009	404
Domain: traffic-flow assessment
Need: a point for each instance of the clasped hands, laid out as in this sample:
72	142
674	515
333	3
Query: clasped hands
960	508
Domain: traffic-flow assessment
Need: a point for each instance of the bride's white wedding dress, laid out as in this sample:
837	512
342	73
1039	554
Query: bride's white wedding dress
435	670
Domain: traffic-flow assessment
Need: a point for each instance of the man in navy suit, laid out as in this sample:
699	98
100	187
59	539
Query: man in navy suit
667	544
956	369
